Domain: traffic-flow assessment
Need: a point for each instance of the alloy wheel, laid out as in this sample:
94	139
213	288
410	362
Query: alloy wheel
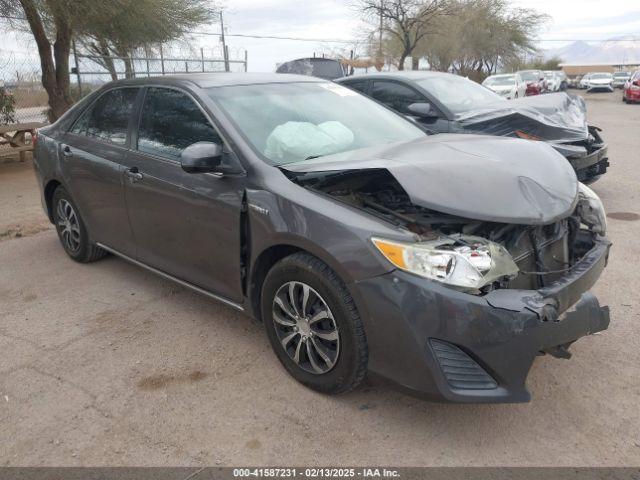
68	225
305	327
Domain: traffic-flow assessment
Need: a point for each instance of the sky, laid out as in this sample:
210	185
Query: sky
338	20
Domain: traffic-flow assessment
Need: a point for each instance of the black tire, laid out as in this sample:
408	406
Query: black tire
79	248
350	368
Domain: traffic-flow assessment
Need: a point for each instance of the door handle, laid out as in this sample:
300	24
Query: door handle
66	151
134	174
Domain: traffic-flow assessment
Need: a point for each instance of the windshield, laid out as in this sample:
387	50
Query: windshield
529	76
290	122
500	81
459	94
597	76
621	75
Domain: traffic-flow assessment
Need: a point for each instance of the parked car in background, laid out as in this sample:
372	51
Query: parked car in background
631	91
535	80
326	68
564	80
446	103
553	81
574	82
584	81
620	78
445	263
600	81
509	86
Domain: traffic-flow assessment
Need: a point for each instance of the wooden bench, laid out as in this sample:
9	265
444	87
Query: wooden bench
15	135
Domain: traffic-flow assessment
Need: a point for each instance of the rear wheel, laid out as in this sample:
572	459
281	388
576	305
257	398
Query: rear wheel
313	325
72	231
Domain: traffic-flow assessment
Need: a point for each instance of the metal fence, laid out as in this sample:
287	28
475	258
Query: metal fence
25	100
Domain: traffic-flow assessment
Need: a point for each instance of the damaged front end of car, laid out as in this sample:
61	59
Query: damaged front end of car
473	256
559	119
482	288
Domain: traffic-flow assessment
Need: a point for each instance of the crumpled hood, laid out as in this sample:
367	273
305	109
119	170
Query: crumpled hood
556	117
471	176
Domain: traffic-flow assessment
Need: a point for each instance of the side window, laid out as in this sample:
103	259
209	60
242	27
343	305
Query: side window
360	86
108	118
170	122
395	95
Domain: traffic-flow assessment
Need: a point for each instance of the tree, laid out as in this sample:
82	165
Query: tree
482	37
116	25
50	23
119	32
406	22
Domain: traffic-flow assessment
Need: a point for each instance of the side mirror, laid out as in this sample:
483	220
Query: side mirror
422	110
201	157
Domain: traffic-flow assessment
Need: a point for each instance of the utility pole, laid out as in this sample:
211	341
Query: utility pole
381	27
224	45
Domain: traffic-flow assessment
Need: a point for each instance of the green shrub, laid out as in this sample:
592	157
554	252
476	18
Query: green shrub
7	107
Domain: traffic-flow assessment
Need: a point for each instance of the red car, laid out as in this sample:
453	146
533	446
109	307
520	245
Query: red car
631	89
535	80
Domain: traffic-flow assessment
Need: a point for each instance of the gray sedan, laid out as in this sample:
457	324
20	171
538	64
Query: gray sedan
445	263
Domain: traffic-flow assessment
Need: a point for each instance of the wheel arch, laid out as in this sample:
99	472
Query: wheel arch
49	188
271	255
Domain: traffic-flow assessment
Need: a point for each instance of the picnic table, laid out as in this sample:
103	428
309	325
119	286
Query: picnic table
15	135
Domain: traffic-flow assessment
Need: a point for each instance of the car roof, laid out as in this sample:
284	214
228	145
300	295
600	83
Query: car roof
404	74
221	79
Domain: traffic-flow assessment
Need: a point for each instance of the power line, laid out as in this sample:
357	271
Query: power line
611	40
336	40
275	37
346	41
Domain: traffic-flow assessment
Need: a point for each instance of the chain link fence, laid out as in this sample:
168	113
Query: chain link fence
24	100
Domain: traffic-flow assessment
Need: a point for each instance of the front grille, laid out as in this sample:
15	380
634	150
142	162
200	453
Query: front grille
460	370
553	250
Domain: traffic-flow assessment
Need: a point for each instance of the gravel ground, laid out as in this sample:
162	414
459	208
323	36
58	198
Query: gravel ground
106	364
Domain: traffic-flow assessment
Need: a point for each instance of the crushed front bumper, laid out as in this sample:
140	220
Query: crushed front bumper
460	347
588	162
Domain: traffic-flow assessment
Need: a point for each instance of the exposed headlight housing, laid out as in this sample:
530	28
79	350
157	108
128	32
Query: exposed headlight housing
463	261
591	210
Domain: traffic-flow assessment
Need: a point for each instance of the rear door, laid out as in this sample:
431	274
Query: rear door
92	156
185	224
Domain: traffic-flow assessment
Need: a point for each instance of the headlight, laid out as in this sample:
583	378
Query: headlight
591	211
462	261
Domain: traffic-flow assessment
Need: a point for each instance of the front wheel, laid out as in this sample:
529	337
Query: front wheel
72	231
313	325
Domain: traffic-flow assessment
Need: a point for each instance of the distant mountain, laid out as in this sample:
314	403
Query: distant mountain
615	50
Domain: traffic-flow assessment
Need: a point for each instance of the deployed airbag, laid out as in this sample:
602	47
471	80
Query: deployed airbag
294	141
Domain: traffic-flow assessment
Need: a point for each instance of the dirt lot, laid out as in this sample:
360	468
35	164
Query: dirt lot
106	364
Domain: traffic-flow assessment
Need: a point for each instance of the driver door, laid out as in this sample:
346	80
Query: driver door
398	96
184	224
